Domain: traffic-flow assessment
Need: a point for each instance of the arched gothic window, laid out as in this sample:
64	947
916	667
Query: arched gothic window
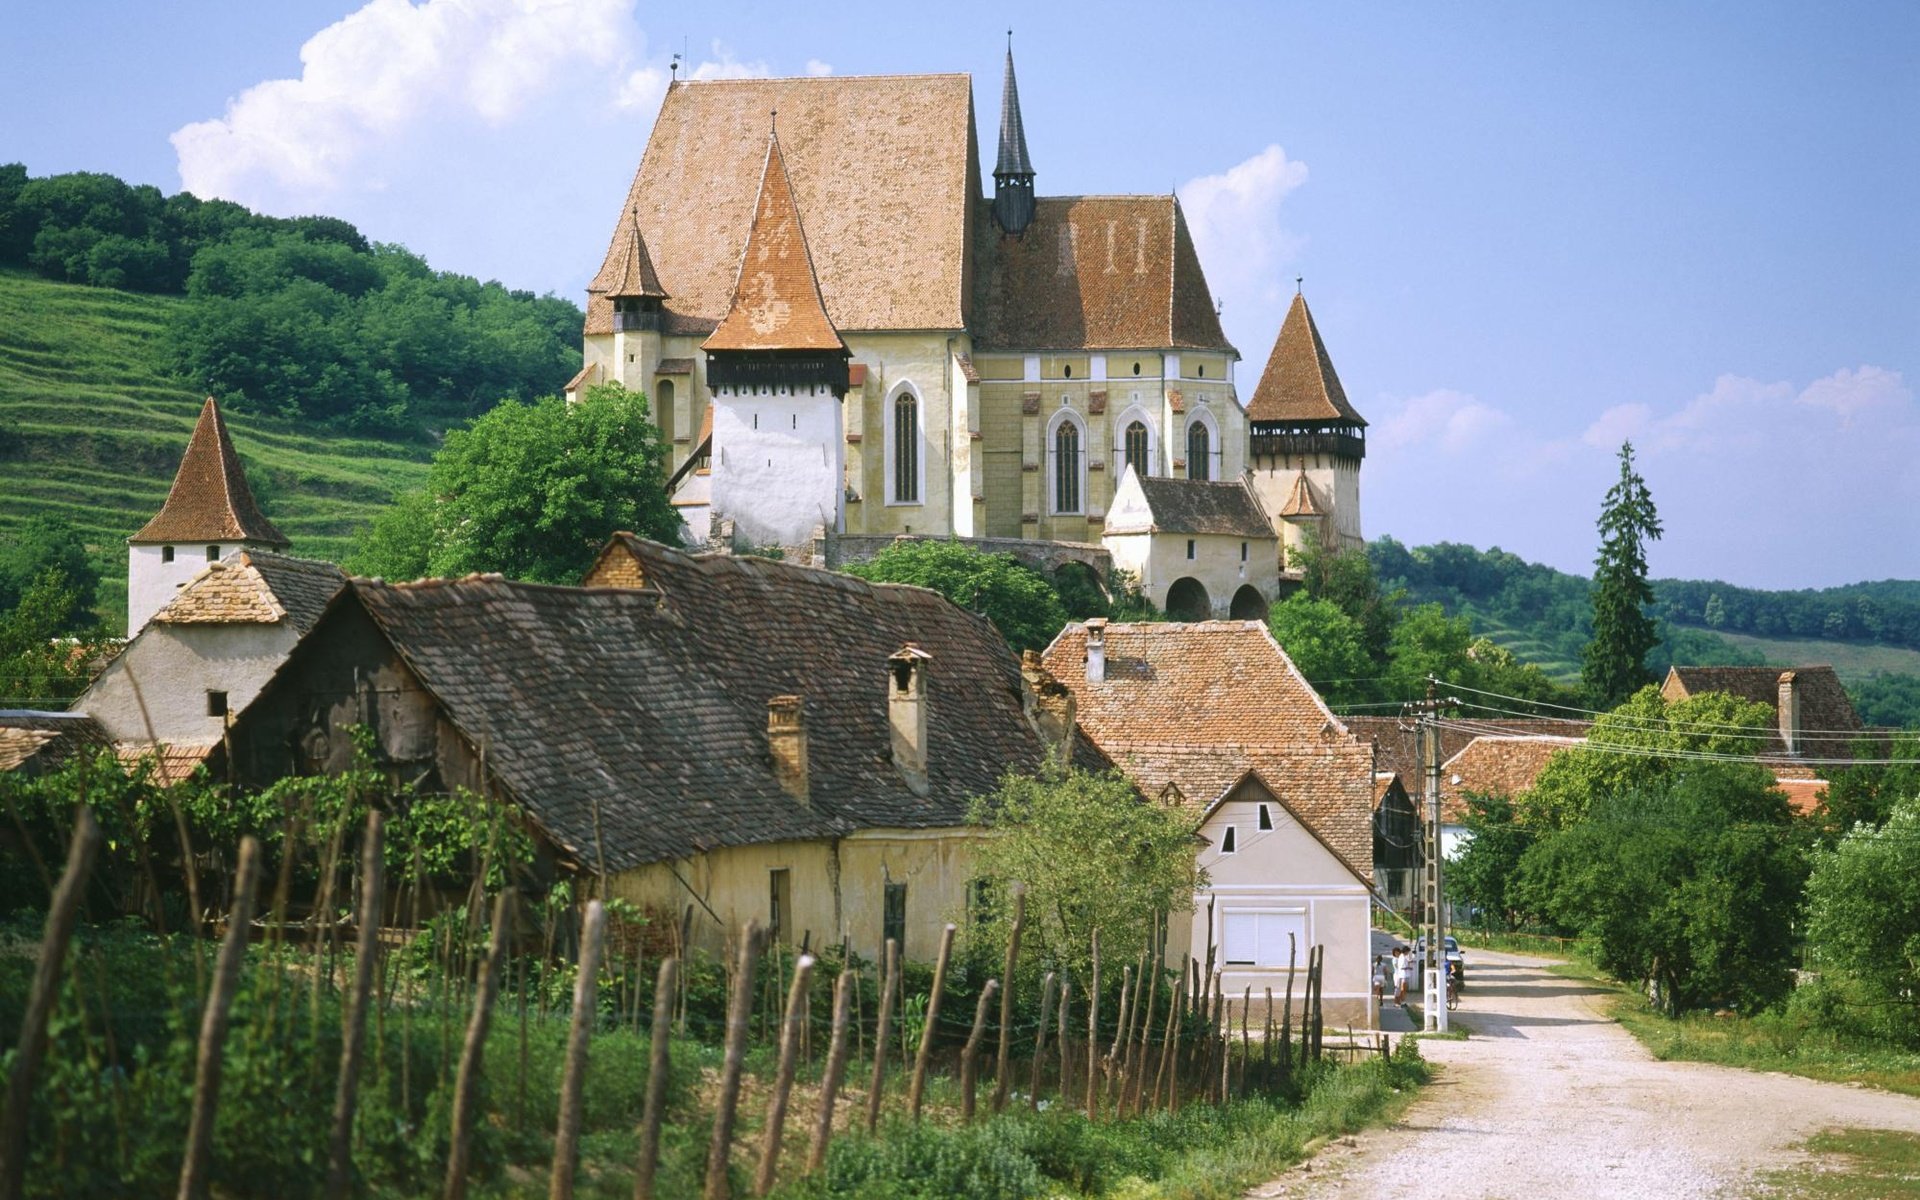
906	448
1138	454
1066	467
1199	451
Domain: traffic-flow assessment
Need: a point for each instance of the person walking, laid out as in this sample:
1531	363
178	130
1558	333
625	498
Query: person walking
1402	974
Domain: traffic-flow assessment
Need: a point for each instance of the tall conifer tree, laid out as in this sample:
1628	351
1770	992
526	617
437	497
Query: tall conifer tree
1615	660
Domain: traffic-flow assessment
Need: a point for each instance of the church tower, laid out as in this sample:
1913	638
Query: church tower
1305	441
1013	171
209	515
777	369
629	281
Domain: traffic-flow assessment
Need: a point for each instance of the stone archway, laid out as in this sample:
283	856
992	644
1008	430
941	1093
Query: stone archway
1249	604
1187	600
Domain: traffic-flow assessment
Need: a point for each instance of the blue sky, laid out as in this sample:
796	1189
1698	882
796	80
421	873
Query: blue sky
1527	230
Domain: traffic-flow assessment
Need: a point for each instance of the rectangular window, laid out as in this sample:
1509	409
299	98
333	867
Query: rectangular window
1266	817
779	901
166	554
893	918
1258	937
216	704
1243	552
1229	843
1189	548
213	554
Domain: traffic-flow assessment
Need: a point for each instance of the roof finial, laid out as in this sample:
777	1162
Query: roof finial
673	67
1298	281
773	120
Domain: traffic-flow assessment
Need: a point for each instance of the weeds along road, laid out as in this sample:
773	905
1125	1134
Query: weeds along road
1551	1098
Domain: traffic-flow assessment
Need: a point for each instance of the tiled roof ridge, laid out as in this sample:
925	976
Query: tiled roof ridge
209	499
825	79
1543	739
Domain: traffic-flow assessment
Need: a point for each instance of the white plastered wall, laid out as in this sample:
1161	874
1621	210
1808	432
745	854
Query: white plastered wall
170	669
152	581
778	462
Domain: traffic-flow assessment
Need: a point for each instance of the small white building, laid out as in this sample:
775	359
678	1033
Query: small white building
209	516
1199	549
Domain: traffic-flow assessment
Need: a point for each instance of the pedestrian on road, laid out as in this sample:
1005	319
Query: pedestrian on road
1379	979
1402	973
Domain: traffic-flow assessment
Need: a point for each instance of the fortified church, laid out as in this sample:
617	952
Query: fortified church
845	339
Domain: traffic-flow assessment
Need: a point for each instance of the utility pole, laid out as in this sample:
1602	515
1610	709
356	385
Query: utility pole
1434	966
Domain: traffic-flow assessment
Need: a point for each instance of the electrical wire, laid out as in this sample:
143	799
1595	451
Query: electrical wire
1659	722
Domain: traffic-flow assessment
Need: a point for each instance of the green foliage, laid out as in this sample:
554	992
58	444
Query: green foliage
1019	601
1348	580
1484	874
1887	698
1092	854
1614	665
1863	921
532	492
40	666
1882	774
41	544
1327	645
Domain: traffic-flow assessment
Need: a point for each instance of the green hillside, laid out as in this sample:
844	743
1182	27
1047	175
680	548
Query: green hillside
92	426
1850	660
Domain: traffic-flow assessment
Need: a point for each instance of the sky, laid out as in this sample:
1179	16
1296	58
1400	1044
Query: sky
1528	232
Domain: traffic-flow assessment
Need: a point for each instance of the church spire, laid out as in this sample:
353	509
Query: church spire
1013	172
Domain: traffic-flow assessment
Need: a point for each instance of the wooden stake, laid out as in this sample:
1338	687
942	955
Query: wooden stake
1093	1032
933	1022
62	915
365	952
1169	1042
1286	1016
1002	1069
466	1085
843	992
883	1028
1066	1043
739	1022
658	1065
1223	1022
1137	1061
792	1027
970	1056
1112	1061
586	1004
1040	1040
213	1027
1246	1043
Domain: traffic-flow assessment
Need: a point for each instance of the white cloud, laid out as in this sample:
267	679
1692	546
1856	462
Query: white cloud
817	68
1850	393
1236	222
723	65
385	69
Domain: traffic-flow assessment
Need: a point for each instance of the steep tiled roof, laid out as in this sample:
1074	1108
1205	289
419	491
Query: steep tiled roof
1827	714
1197	706
1299	383
1399	743
1096	272
172	763
38	742
210	500
1013	159
1805	793
1300	501
1201	506
628	271
1495	765
649	707
884	167
776	299
255	588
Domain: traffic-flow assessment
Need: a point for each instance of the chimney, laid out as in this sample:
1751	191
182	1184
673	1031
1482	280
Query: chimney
787	742
1096	649
907	713
1790	712
1049	706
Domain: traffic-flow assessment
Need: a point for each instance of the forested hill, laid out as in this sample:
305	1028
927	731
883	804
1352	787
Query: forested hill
1870	632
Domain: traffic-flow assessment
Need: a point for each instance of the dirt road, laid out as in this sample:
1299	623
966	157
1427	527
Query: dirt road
1550	1098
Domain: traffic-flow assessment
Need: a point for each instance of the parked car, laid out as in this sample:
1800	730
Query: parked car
1453	956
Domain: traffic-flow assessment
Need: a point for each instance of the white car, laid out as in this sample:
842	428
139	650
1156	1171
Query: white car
1453	956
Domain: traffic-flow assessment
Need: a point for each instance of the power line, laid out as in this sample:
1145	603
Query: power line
1662	722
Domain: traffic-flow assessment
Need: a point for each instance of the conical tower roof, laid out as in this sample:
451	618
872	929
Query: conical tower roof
210	500
628	270
1299	383
776	299
1013	132
1300	501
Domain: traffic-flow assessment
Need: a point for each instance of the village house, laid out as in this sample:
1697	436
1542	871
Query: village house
1813	719
1197	549
719	738
1215	717
37	743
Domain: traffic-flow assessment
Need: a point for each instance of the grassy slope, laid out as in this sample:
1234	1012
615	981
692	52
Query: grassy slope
92	426
1851	660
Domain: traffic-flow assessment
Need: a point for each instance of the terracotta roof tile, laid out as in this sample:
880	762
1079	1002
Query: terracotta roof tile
628	271
1300	501
674	366
887	257
585	377
1197	706
1096	272
171	763
255	588
1495	765
210	500
38	742
776	301
1299	383
1825	708
1805	794
1398	743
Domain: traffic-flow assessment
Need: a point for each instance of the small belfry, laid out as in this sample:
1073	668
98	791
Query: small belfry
210	514
1305	440
777	369
1013	170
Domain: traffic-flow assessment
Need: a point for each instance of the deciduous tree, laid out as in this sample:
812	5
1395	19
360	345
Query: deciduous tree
1020	602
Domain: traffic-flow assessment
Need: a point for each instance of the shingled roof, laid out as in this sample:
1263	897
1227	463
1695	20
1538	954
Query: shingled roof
1827	717
256	588
1095	273
647	708
210	500
1301	501
884	167
1198	706
628	270
1299	383
1398	741
38	742
1495	765
776	298
1191	506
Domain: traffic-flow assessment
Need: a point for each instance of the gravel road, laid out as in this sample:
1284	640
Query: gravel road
1550	1098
